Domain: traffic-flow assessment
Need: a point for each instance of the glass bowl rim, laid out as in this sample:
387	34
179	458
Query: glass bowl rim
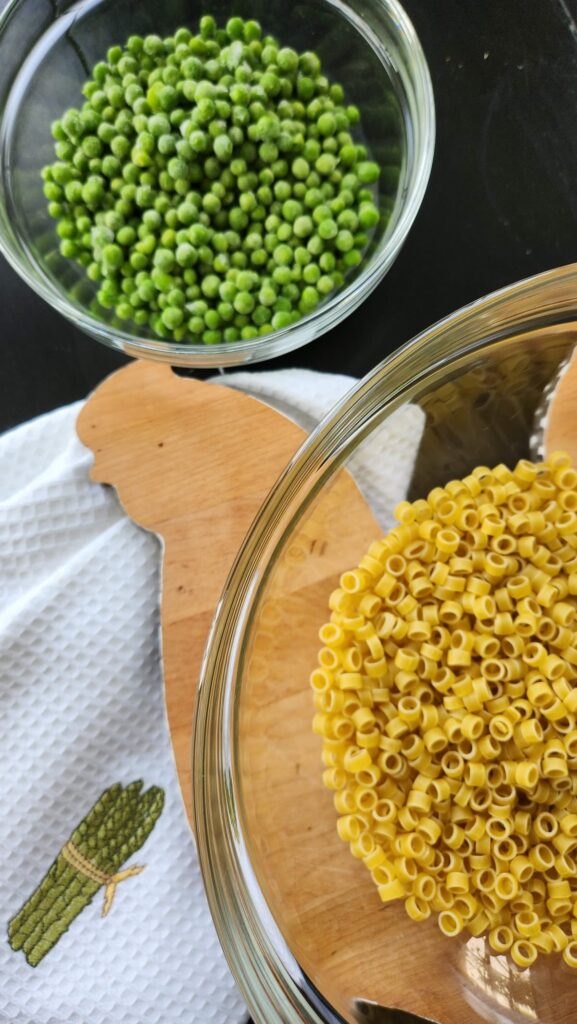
252	941
330	313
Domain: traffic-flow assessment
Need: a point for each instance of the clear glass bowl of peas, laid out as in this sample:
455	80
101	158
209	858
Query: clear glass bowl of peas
300	919
209	185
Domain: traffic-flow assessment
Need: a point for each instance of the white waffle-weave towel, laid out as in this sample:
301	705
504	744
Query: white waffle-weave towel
82	708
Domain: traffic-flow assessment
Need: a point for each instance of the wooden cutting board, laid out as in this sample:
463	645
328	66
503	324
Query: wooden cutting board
560	421
193	462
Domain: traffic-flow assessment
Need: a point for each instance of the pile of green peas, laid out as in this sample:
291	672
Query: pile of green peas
211	184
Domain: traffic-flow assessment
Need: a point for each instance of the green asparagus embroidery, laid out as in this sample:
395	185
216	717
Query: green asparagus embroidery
116	827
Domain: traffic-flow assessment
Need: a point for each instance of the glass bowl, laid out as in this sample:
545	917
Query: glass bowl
48	50
298	917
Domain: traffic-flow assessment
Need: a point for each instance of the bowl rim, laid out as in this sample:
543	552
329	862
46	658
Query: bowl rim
252	941
330	313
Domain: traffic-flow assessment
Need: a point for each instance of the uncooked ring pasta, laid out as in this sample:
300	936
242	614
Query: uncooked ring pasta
446	699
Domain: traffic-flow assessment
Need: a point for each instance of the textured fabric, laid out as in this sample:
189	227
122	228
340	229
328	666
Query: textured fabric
82	708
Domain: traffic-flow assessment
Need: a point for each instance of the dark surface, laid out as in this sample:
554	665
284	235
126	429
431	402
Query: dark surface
501	204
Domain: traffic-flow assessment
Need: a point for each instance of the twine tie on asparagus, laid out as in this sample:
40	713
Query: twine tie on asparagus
81	863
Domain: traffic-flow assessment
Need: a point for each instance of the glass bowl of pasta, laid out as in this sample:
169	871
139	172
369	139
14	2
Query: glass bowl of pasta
385	746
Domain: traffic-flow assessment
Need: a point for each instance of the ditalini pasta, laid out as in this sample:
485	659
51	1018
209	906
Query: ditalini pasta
446	698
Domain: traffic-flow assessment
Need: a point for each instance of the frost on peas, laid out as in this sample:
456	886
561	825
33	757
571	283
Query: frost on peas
213	184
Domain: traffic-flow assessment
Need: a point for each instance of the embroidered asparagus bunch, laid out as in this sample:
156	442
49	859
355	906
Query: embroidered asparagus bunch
116	826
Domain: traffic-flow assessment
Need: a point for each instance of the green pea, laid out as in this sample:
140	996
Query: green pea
302	255
52	191
246	280
331	145
147	290
185	255
210	286
303	226
283	255
368	216
222	147
270	83
178	169
291	209
65	150
270	52
311	273
267	295
281	319
348	219
351	258
282	190
92	192
327	124
300	168
176	297
327	229
111	166
168	238
135	45
325	284
309	299
186	213
235	28
221	263
281	275
315	245
252	31
344	241
264	195
368	172
112	256
268	152
327	262
287	60
172	317
348	155
91	146
244	303
205	110
225	311
126	235
146	246
326	163
196	324
305	87
164	259
120	146
69	248
249	332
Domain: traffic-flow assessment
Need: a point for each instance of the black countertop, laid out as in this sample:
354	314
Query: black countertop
501	204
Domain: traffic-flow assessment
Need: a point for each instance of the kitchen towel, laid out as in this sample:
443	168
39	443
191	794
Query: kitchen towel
82	711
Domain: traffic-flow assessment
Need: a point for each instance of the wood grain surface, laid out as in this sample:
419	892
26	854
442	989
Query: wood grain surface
561	421
192	462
